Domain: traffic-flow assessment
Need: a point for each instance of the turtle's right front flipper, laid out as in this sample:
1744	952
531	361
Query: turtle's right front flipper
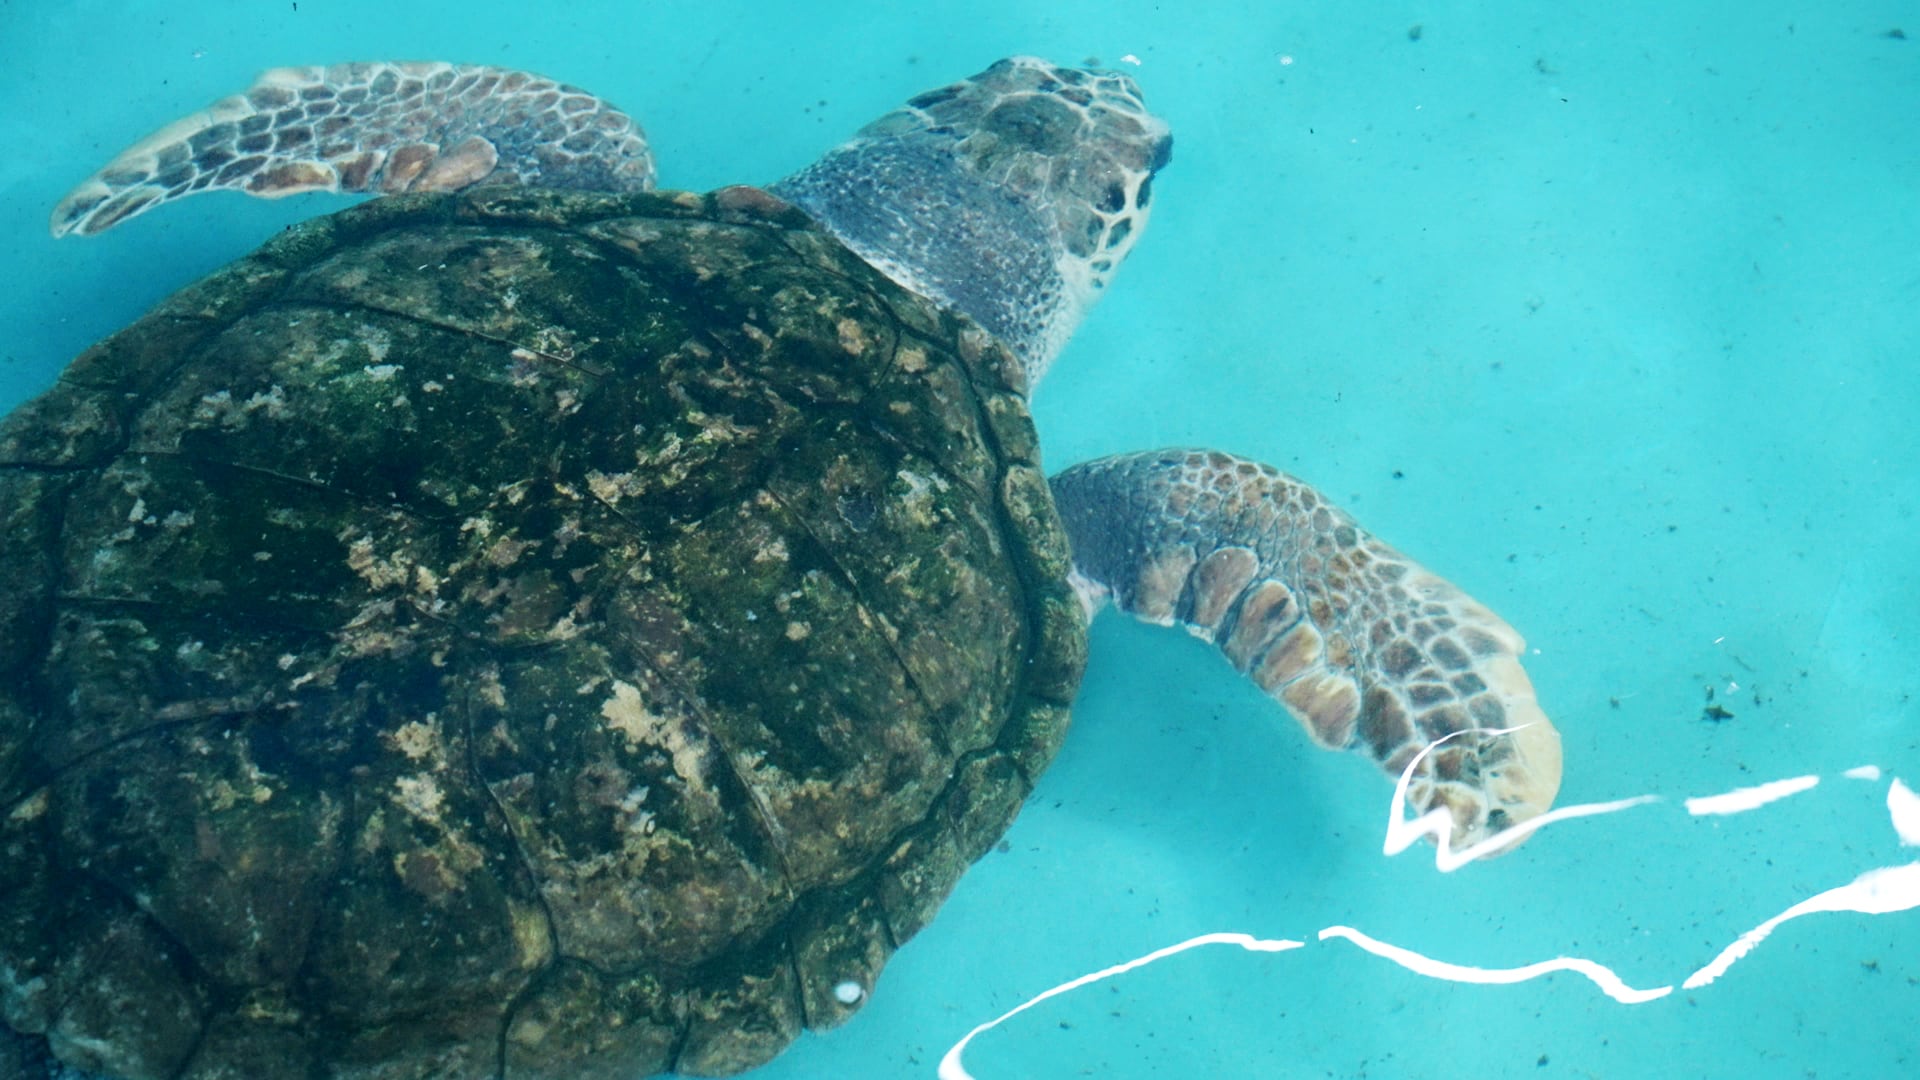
375	127
1366	648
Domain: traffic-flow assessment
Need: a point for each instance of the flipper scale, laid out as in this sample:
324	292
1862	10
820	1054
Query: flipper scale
371	127
1367	649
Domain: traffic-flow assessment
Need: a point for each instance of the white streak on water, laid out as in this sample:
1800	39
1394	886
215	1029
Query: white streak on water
1904	807
950	1067
1884	891
1608	982
1749	798
1876	892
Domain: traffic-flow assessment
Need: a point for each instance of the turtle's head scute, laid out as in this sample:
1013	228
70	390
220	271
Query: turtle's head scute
1081	142
1011	197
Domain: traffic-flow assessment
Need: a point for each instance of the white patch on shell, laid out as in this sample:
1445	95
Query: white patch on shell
415	738
377	572
419	796
627	713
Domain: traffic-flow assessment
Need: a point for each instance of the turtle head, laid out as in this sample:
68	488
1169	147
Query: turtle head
1010	197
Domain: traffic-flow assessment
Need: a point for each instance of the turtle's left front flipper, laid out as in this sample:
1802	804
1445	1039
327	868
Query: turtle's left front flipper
1367	649
378	127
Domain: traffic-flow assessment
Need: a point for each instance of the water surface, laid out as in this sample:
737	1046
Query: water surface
1606	313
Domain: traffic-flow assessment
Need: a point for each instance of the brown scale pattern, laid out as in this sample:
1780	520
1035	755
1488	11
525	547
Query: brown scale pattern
1098	197
372	127
1365	648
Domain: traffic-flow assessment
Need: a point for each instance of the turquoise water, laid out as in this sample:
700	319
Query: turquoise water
1607	315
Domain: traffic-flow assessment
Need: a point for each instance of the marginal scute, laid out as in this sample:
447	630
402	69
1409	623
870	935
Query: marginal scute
838	937
293	178
1217	583
1298	650
1327	705
467	162
742	1023
1266	612
405	165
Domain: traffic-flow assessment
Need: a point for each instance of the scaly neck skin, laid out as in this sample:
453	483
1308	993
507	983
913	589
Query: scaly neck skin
1010	197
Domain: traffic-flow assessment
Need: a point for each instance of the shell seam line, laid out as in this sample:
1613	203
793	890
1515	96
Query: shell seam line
512	1006
888	632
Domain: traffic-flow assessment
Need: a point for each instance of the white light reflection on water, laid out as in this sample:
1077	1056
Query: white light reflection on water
1881	891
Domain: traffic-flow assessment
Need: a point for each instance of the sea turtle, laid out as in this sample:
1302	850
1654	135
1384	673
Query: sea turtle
559	629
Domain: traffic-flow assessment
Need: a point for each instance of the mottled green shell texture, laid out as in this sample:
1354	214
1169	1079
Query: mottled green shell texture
520	634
